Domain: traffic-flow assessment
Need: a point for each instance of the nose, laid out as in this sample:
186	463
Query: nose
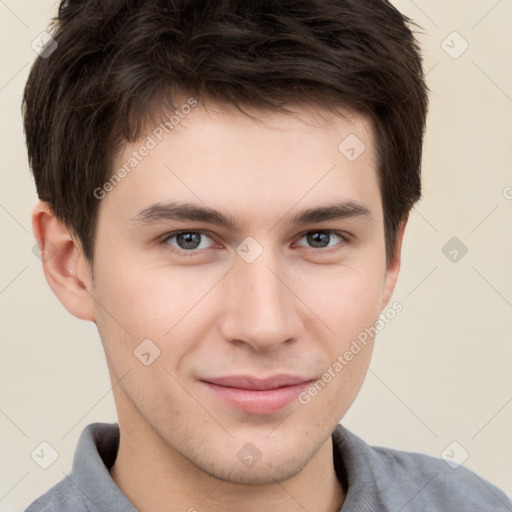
260	308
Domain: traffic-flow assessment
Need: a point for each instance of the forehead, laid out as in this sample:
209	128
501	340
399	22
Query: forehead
221	158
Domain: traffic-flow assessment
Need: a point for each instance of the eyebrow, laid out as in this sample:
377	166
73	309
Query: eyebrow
160	212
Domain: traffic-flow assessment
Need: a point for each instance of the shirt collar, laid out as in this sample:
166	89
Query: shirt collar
94	456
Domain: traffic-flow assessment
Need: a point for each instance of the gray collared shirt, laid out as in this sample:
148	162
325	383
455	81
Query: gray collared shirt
378	479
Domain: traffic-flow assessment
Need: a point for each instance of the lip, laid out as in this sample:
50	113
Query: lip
257	395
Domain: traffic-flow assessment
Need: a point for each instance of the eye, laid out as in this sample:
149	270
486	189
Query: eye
191	242
187	240
321	239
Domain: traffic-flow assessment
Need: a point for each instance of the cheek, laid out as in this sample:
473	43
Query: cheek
164	307
346	299
141	300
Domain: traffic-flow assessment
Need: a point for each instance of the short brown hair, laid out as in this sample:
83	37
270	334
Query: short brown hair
118	61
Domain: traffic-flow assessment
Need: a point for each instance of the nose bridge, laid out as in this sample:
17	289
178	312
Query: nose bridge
259	306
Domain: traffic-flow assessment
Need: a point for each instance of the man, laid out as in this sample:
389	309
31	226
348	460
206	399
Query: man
224	188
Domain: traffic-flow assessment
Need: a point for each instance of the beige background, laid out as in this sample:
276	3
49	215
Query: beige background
442	369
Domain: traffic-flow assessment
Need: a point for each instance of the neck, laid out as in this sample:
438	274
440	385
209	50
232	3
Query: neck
155	478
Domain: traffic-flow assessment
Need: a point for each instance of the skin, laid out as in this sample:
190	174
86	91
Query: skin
292	311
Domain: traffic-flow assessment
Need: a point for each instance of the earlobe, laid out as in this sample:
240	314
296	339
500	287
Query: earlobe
393	268
64	265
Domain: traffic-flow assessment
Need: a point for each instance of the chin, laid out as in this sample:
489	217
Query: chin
259	474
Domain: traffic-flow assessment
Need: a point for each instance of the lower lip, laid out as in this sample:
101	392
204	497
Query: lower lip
265	401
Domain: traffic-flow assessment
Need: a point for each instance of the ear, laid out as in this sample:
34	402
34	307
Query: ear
393	268
66	269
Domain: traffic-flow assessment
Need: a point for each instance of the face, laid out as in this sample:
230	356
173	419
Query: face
220	330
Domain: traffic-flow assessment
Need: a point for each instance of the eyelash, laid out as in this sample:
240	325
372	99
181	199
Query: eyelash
345	237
